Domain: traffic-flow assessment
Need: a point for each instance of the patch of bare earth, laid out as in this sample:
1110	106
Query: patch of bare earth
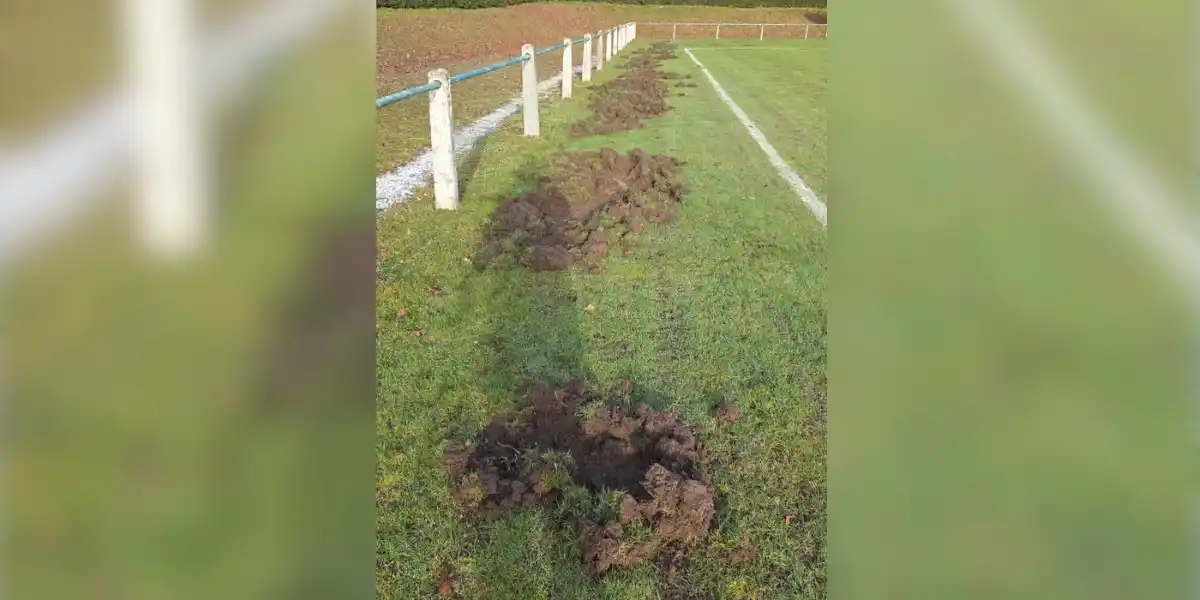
586	206
569	438
638	93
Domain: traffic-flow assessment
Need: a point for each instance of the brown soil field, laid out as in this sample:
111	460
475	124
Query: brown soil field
410	43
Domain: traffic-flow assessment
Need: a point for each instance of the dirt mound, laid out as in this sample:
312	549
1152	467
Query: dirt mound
639	93
583	209
630	478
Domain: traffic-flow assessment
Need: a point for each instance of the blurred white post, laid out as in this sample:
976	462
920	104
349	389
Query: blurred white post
608	45
529	92
718	31
762	29
806	31
587	57
441	142
171	162
633	28
624	35
568	70
673	26
600	50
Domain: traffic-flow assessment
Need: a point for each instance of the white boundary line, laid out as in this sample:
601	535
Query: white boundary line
806	194
398	185
1141	198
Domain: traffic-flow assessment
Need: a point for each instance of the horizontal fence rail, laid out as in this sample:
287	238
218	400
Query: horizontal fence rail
597	50
810	30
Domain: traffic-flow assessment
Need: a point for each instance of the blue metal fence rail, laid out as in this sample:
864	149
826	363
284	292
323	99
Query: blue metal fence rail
433	85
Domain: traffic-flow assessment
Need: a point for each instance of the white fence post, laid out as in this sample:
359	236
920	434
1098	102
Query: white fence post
568	70
608	45
718	31
599	50
172	211
762	30
587	57
806	31
441	142
673	26
529	92
633	28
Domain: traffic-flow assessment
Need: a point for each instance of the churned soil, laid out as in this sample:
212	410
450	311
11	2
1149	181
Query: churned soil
639	93
584	208
570	437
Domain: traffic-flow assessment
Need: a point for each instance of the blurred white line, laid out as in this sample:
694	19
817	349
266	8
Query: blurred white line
398	185
806	194
44	181
1142	200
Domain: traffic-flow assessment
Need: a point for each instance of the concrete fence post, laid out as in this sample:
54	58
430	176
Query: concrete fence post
441	142
718	31
568	69
608	45
762	30
806	31
673	26
624	35
529	92
599	50
587	57
172	212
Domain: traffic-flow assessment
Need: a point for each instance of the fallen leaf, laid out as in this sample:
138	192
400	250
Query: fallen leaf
400	314
590	308
419	332
788	519
445	588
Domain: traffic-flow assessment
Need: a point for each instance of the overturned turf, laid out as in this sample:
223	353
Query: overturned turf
639	93
584	208
629	478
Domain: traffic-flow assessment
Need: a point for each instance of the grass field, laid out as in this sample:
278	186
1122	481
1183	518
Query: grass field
791	108
413	42
728	301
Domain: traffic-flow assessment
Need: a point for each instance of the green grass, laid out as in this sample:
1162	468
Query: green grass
730	300
781	86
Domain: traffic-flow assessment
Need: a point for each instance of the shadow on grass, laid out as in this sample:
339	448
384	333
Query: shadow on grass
470	165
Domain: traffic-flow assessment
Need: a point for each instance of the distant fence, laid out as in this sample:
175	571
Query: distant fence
739	30
597	50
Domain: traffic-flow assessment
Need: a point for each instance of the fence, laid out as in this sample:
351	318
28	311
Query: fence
597	50
743	30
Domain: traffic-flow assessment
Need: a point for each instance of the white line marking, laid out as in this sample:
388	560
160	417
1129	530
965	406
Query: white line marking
398	186
806	194
1142	200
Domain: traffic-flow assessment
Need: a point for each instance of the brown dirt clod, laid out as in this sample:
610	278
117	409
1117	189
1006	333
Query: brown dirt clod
569	436
639	93
725	411
583	209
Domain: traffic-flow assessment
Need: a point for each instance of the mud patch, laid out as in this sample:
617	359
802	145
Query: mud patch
639	93
726	411
584	209
629	479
